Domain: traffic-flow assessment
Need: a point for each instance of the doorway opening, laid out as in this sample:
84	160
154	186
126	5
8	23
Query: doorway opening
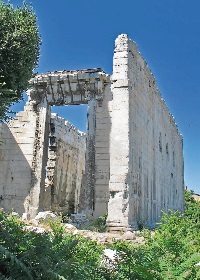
66	157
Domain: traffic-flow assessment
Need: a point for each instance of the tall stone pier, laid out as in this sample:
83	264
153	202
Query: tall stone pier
146	160
129	162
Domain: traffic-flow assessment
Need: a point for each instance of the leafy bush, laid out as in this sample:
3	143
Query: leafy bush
52	255
98	225
171	252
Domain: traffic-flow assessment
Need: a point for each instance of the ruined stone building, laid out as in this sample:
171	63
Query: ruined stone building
129	163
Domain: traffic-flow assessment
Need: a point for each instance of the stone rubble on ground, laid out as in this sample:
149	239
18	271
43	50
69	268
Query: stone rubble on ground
128	235
43	218
39	230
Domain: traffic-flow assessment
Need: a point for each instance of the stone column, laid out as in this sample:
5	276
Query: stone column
118	206
40	156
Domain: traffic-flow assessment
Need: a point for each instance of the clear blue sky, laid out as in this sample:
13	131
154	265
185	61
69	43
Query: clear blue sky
80	34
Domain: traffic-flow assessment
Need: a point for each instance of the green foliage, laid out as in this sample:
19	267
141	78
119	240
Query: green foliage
98	225
6	95
10	260
173	251
19	52
53	255
192	210
170	252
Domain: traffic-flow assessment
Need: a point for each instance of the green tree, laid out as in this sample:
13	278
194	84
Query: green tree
19	52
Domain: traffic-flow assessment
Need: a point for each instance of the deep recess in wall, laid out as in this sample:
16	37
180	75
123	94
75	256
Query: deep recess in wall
75	114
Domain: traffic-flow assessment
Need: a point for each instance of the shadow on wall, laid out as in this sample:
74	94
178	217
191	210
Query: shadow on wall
15	169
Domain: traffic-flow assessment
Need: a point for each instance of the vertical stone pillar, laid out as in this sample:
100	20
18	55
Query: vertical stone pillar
118	206
40	156
87	192
102	153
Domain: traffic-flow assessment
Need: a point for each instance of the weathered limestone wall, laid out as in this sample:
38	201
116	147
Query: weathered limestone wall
16	156
65	166
34	177
156	160
156	156
146	172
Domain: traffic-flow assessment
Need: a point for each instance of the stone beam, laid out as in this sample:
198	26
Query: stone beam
68	87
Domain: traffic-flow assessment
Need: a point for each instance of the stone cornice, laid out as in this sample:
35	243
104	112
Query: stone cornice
68	87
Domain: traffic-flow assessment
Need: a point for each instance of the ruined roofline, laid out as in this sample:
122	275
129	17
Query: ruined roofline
90	70
95	73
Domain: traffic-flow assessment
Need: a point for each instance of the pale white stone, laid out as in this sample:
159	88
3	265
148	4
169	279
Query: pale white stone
45	216
128	235
38	230
24	217
111	254
70	227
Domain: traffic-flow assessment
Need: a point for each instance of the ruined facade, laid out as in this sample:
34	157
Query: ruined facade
129	163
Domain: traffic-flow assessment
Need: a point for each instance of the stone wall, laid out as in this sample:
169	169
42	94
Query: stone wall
16	156
146	148
65	166
156	159
42	162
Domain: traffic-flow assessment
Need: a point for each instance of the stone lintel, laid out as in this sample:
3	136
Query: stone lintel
68	87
